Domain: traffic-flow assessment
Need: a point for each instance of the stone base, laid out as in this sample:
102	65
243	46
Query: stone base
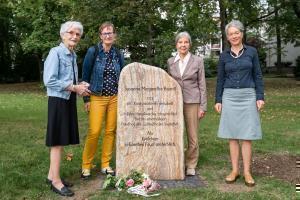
188	182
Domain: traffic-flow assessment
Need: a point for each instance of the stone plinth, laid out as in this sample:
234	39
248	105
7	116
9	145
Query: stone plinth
150	123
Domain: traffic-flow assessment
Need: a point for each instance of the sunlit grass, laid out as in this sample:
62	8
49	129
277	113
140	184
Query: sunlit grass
24	156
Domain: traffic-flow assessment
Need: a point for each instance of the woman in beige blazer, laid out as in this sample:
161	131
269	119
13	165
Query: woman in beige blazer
188	70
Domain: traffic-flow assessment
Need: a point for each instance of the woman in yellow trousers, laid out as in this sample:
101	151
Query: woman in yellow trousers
101	68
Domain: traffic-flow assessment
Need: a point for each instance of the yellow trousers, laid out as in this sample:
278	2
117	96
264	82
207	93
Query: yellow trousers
102	108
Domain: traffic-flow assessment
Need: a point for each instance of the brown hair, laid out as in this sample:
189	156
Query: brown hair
106	24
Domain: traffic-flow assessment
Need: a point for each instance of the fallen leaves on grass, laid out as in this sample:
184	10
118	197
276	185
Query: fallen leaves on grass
69	156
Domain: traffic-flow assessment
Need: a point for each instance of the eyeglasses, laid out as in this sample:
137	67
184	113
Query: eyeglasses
107	34
234	33
74	33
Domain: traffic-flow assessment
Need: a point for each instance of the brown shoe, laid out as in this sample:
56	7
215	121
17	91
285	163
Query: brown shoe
232	177
249	181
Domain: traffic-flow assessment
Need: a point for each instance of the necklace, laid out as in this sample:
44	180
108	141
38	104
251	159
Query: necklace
239	54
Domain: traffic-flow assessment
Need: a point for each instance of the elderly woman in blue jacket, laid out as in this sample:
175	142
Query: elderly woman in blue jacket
101	68
61	81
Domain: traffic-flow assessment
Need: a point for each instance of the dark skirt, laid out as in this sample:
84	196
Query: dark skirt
62	127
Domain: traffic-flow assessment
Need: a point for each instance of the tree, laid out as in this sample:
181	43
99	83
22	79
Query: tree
6	40
223	22
42	33
200	21
284	25
275	15
296	7
147	29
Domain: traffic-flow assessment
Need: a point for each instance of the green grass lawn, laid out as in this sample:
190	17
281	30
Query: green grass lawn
25	158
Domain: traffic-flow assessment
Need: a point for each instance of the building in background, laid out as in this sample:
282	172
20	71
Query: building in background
288	56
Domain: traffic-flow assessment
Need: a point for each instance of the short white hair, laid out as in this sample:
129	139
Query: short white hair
70	24
236	24
181	35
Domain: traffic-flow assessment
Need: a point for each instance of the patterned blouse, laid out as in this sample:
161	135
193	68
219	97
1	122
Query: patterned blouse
110	84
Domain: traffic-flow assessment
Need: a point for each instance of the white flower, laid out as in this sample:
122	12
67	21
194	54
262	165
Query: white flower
145	176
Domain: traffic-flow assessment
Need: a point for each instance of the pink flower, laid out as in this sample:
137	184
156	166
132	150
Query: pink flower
147	183
130	182
154	186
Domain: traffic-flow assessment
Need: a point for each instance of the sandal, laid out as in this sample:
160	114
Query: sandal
249	181
232	177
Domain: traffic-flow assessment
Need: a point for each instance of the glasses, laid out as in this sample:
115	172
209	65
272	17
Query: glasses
74	33
234	33
107	34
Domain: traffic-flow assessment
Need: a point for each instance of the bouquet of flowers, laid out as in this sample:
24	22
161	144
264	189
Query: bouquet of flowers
135	183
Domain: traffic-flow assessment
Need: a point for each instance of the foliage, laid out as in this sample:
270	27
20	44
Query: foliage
210	65
135	183
45	17
7	40
146	29
198	19
287	20
149	40
259	44
134	178
109	182
246	11
283	25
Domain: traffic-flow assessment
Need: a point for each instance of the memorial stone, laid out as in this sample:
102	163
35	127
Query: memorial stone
150	123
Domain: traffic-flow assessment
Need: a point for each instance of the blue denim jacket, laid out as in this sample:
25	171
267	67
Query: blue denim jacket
58	71
241	72
92	73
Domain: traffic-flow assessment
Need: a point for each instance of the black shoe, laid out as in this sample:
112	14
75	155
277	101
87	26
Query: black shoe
64	191
67	184
108	170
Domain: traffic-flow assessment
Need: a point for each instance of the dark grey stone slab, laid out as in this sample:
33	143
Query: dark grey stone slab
188	182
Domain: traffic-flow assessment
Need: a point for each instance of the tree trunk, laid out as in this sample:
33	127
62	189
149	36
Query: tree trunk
149	46
40	66
296	7
223	19
278	42
2	61
245	34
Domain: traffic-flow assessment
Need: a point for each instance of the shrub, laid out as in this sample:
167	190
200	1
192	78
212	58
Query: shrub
210	65
284	64
297	68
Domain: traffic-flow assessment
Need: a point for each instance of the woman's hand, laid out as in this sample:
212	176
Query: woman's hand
201	114
87	106
81	89
87	92
260	104
218	107
84	83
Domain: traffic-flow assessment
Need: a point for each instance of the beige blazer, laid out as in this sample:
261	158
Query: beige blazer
192	81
